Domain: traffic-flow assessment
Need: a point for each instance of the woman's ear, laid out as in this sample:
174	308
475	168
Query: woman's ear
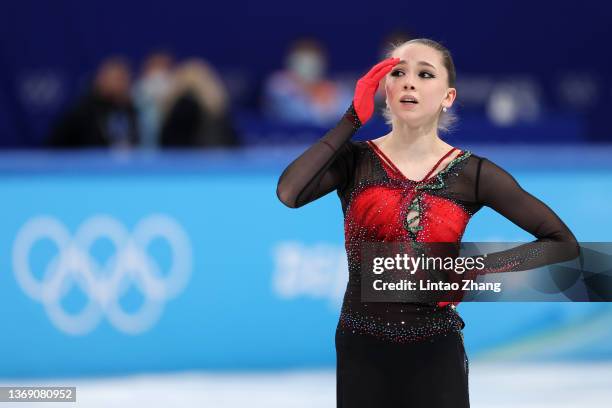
451	94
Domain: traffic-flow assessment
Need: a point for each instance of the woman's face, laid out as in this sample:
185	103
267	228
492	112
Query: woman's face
421	75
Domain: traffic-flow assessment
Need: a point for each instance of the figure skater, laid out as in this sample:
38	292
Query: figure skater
410	185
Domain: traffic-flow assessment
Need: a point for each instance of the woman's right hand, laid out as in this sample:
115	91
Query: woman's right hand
366	87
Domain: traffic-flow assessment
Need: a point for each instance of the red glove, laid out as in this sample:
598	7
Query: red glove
366	87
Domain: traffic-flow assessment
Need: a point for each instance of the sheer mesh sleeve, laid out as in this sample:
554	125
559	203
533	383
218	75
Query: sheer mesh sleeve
497	189
323	167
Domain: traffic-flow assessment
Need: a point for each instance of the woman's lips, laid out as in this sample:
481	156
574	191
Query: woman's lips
408	104
409	99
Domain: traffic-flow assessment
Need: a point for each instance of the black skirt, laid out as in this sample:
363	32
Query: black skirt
372	373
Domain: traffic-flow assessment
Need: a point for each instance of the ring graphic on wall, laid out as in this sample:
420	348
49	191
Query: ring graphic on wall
103	283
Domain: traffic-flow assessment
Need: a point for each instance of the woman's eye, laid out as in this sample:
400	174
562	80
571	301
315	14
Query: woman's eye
424	74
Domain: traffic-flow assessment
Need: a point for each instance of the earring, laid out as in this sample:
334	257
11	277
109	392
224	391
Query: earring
444	109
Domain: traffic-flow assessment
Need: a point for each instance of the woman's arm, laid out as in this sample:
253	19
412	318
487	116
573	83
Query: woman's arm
497	189
322	168
326	165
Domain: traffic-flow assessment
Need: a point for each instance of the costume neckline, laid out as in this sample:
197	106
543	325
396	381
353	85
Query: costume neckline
429	174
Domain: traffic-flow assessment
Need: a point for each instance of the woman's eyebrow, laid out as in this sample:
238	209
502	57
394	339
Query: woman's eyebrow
419	63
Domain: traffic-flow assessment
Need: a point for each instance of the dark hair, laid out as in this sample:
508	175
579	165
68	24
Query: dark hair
447	119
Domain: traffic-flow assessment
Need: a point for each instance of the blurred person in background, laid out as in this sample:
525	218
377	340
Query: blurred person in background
105	116
301	93
197	109
149	93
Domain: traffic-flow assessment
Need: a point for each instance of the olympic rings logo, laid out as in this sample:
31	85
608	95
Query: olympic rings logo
104	284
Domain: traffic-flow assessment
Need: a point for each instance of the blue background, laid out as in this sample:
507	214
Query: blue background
246	41
230	316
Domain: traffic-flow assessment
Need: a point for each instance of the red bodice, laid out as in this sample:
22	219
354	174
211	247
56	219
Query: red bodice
380	212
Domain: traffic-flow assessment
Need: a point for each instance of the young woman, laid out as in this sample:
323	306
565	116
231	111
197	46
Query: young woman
410	185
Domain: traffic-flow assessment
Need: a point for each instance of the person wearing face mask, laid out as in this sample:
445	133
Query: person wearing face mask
301	93
410	186
150	92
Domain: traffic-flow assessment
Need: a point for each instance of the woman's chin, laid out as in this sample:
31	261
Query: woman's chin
408	110
411	117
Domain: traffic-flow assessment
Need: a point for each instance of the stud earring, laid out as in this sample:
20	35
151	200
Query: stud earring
444	109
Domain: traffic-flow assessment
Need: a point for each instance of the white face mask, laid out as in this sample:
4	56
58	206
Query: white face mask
157	85
308	65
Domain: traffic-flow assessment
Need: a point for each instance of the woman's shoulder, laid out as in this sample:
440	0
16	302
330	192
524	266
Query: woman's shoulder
473	158
485	171
357	145
365	144
466	164
483	162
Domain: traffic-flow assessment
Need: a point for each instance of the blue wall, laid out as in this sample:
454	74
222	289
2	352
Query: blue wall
49	44
257	285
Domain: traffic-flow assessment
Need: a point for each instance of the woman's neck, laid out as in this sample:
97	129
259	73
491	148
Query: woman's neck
414	144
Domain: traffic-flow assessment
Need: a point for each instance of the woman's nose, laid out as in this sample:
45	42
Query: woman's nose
406	86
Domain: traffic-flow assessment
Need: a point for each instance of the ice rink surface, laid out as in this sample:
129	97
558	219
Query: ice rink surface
558	385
